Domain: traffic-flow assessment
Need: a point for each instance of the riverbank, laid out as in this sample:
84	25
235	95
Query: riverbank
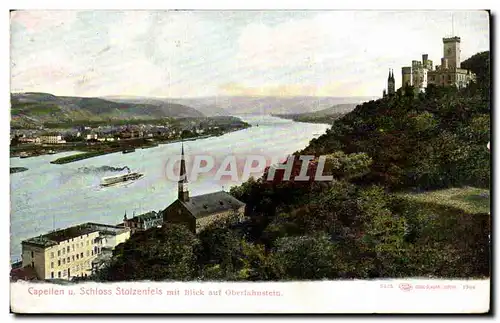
77	157
17	169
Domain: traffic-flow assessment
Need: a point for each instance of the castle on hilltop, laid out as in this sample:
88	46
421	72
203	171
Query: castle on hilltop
422	73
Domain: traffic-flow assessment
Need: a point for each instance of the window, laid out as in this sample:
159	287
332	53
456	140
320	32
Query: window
51	255
88	253
77	256
64	261
64	273
73	258
82	244
73	247
59	274
68	249
64	251
68	260
52	275
51	265
88	242
92	252
58	253
32	254
81	254
59	262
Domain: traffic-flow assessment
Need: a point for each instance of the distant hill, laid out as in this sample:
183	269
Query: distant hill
336	109
241	105
38	108
328	115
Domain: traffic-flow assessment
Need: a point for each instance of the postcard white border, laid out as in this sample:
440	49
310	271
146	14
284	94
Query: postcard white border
383	296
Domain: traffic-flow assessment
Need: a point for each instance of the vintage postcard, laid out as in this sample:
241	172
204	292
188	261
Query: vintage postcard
272	161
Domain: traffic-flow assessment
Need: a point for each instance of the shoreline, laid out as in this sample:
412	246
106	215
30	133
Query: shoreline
100	151
326	120
14	170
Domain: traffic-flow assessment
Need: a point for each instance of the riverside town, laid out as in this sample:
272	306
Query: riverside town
248	147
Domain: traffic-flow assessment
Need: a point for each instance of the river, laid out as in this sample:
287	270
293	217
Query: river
48	196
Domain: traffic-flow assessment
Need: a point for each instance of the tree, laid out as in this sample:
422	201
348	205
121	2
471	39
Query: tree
220	245
307	257
383	232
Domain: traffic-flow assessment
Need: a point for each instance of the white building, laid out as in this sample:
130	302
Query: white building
68	253
52	139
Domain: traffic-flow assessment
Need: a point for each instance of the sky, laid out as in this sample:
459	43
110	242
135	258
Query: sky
207	53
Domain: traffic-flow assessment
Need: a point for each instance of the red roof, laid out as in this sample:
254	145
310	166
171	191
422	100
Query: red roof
23	273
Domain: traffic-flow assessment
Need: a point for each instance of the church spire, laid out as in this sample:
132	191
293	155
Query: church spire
183	193
391	83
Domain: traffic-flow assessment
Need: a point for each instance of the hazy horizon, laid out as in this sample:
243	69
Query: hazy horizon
192	54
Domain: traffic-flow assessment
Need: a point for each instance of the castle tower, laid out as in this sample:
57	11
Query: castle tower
182	188
391	84
406	76
451	51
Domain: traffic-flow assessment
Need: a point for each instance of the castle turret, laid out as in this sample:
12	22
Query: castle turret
406	76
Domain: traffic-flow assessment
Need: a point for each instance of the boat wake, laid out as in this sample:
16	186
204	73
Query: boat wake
102	169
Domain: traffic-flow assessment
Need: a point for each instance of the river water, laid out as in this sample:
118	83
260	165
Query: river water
49	196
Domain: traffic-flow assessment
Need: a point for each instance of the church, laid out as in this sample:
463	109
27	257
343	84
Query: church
199	211
422	73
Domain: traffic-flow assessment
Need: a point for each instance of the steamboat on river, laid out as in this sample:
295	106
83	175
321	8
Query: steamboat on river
117	179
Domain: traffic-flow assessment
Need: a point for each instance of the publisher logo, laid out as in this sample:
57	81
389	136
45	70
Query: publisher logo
405	287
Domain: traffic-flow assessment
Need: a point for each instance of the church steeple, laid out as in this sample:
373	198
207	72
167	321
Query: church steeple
183	193
391	83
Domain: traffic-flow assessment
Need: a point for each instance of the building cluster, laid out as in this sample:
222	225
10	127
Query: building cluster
422	73
107	133
45	139
81	250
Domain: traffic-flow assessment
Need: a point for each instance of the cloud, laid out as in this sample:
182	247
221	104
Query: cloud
171	53
41	20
